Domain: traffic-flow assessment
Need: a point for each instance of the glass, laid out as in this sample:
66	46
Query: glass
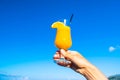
63	38
63	35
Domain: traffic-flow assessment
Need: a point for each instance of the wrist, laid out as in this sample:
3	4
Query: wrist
91	73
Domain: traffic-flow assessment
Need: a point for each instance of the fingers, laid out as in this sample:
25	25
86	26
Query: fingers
57	55
63	62
66	54
60	59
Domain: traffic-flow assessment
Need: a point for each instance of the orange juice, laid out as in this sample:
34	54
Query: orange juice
63	36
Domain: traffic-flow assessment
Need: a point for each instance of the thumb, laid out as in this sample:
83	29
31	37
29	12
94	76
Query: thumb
66	54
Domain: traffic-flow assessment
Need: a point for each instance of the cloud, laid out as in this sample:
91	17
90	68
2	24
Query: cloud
111	49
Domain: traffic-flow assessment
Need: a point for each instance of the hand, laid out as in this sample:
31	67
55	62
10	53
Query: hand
78	63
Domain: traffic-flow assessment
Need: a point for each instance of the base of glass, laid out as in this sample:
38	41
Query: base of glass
63	60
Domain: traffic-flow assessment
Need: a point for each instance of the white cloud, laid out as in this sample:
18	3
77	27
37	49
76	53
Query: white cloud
111	49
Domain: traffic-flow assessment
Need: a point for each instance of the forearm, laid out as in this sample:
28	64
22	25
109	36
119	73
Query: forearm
92	73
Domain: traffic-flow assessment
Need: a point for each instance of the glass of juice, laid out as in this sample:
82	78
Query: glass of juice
63	36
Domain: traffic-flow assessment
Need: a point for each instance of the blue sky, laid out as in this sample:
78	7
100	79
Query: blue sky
27	40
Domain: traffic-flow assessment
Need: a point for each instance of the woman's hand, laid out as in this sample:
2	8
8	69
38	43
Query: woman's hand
79	64
76	61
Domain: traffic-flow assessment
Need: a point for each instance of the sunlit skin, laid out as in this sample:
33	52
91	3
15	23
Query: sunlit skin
79	64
